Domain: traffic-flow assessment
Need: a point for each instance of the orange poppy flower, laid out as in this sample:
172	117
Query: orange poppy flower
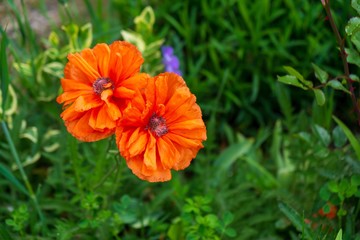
161	129
97	85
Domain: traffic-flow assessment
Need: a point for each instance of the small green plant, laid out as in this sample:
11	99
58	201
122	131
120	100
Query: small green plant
19	219
197	222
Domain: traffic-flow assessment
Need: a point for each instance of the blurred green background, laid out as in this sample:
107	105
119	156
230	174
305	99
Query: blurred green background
273	157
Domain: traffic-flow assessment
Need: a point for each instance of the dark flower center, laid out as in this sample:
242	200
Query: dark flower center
157	125
102	84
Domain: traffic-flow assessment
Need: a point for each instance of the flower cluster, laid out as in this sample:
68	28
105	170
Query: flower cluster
156	120
170	61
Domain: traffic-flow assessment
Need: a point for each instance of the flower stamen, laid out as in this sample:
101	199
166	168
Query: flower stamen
157	125
102	84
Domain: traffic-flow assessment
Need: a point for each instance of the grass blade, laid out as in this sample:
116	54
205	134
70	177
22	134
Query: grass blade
4	233
295	218
21	169
12	179
352	139
4	76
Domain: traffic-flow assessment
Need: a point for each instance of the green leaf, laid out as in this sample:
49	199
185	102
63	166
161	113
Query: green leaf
322	134
339	137
355	180
295	73
337	85
353	56
354	77
339	235
145	21
4	75
231	154
176	230
353	26
319	96
356	5
352	139
230	232
12	179
355	39
228	218
291	80
295	218
320	74
333	187
85	36
324	193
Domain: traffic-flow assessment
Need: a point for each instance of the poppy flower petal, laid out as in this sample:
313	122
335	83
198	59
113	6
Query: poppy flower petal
102	53
113	110
160	175
137	142
187	155
196	134
161	89
84	67
90	58
73	85
127	60
86	102
122	140
100	119
150	154
174	82
187	124
183	141
69	114
167	152
82	131
124	92
138	81
71	96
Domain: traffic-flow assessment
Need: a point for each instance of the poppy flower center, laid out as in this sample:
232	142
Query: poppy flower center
102	84
157	125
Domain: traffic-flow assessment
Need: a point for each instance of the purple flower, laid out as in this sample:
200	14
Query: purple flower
170	61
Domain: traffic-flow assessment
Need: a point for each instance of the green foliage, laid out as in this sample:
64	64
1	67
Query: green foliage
147	42
198	222
19	219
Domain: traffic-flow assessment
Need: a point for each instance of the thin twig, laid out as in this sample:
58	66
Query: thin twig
343	55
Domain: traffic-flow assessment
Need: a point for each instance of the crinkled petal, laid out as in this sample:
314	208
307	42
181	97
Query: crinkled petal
127	59
81	130
74	85
167	152
184	141
69	114
86	102
150	154
102	53
137	142
84	67
71	96
138	168
123	92
100	119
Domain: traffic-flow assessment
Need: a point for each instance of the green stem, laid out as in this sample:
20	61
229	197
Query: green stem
21	169
75	162
341	43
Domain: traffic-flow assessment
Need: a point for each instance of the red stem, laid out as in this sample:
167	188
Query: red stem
343	55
